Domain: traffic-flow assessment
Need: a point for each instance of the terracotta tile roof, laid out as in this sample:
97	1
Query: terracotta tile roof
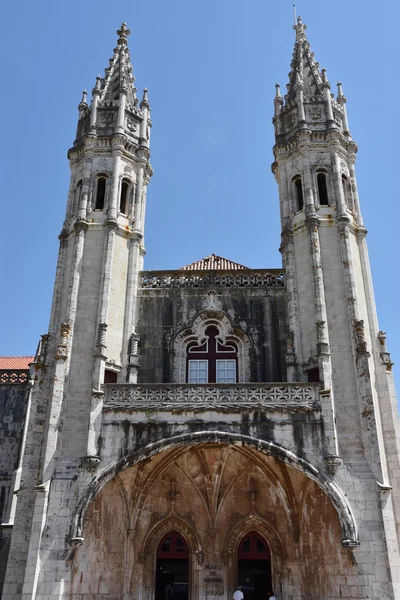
213	263
18	363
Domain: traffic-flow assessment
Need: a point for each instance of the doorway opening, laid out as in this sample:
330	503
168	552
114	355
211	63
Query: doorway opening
172	568
254	567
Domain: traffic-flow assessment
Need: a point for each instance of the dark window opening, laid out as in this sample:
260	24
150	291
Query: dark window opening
77	198
313	375
322	189
299	193
344	184
100	193
124	197
110	376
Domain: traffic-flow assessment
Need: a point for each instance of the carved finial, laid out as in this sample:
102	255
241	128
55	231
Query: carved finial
325	81
382	341
172	495
278	91
83	103
123	34
145	99
340	91
300	29
253	493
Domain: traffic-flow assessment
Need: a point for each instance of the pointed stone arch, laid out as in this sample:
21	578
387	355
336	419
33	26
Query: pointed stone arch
148	555
241	528
324	482
249	523
157	532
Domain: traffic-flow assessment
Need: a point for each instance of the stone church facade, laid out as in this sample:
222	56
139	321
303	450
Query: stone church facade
190	430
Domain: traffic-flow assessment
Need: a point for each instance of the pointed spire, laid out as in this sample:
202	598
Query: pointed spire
145	99
340	92
304	68
83	103
119	74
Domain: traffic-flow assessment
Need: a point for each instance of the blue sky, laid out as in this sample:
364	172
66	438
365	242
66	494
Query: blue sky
210	68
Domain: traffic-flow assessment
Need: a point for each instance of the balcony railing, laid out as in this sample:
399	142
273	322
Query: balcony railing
214	396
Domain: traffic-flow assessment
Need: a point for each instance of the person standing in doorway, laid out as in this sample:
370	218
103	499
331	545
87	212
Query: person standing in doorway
238	594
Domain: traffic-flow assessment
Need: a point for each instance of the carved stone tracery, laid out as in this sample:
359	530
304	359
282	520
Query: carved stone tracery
196	333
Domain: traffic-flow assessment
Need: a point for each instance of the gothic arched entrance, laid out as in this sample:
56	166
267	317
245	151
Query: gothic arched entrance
254	566
172	568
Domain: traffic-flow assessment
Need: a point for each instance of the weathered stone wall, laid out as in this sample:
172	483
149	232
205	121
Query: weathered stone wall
13	403
259	313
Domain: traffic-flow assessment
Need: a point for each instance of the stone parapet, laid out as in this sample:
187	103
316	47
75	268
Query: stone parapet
227	397
271	278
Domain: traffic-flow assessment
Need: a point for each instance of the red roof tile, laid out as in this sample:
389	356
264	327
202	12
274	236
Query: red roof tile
213	263
19	363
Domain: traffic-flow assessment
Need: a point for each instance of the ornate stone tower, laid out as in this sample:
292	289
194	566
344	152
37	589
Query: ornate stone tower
258	442
91	335
334	334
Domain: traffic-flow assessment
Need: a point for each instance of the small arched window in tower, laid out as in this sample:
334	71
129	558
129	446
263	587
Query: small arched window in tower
77	198
100	192
299	192
123	202
322	189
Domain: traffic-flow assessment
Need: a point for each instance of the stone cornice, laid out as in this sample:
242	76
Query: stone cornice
314	139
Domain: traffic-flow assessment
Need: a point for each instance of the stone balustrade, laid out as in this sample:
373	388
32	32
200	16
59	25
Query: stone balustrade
215	396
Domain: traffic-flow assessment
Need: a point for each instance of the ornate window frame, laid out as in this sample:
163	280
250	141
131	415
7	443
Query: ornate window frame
196	333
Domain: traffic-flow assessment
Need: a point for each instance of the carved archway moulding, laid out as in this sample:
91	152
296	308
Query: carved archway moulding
157	532
196	332
253	523
339	501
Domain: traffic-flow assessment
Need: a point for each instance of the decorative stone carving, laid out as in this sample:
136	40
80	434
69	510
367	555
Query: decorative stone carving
90	463
359	333
290	343
134	344
382	341
321	332
211	302
259	279
101	335
288	396
315	113
196	333
62	350
158	531
172	495
384	354
41	352
333	463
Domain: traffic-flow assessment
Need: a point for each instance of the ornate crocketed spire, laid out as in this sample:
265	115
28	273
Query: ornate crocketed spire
303	69
119	73
308	104
114	108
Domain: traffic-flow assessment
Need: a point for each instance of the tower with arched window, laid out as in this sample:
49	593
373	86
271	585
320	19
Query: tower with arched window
213	426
